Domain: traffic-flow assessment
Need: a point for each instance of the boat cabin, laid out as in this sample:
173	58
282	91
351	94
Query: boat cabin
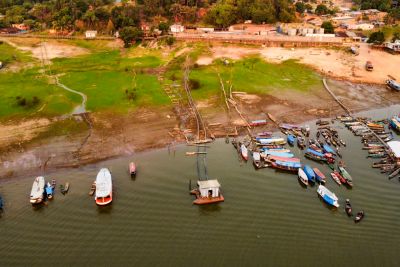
208	192
209	188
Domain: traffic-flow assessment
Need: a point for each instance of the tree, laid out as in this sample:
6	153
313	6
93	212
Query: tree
322	10
300	7
130	34
328	27
376	37
308	7
396	36
222	15
163	27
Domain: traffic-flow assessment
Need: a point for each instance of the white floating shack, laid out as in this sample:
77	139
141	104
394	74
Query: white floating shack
395	150
208	192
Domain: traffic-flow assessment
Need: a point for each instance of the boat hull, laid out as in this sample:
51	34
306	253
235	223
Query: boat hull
207	200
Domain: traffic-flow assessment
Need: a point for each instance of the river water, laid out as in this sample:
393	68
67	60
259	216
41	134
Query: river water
267	218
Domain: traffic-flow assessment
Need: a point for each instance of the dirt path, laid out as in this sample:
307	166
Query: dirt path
82	107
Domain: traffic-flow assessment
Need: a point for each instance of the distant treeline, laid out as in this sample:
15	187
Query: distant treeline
106	16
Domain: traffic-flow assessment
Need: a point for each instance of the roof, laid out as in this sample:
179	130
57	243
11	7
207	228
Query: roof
103	183
395	147
208	184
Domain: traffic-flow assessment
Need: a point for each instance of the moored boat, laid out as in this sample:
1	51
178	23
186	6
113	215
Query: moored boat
257	159
341	178
277	158
103	195
300	142
291	139
359	216
335	178
393	84
286	166
329	197
310	173
244	152
1	203
92	189
208	192
348	209
319	176
346	176
37	191
64	188
132	169
302	177
49	191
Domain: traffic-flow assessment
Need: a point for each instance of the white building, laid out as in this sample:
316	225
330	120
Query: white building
90	34
176	28
361	26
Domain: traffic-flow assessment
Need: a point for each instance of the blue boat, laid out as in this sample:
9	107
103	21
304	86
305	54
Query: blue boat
328	149
316	153
287	166
1	203
310	173
395	123
291	139
49	190
279	154
328	196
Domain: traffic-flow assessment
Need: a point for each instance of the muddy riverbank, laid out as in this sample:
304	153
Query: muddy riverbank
34	147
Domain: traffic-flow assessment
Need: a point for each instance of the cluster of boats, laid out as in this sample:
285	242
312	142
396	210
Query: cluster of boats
268	150
375	137
101	188
42	190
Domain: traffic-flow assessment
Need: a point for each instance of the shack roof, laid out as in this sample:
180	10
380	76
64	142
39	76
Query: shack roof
395	147
208	184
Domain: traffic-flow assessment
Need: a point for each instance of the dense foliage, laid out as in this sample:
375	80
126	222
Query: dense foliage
106	16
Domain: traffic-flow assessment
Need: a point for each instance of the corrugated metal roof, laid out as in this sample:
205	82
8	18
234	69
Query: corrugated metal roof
208	184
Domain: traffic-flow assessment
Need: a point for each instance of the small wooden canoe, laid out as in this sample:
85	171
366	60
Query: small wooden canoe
132	169
92	189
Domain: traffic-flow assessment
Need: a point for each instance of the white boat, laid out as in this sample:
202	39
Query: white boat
37	191
103	187
244	151
302	176
328	196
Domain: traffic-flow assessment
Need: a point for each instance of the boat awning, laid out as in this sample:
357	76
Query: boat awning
395	148
208	184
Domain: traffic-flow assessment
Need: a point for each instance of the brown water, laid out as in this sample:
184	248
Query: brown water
267	218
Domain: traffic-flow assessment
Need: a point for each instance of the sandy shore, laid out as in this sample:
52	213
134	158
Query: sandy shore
335	63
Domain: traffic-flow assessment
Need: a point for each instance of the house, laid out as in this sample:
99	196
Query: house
177	28
393	47
253	29
21	26
361	26
90	34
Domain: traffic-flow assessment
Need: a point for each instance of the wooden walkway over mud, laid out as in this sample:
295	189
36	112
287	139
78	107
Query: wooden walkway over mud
349	113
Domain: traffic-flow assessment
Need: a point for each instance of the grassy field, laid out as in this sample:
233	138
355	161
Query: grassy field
254	75
122	79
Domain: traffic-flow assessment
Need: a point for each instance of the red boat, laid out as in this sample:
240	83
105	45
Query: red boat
341	178
132	169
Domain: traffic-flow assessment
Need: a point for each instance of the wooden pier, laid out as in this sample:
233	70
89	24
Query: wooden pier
348	112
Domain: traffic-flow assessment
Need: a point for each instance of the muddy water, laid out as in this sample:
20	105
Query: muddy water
268	219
